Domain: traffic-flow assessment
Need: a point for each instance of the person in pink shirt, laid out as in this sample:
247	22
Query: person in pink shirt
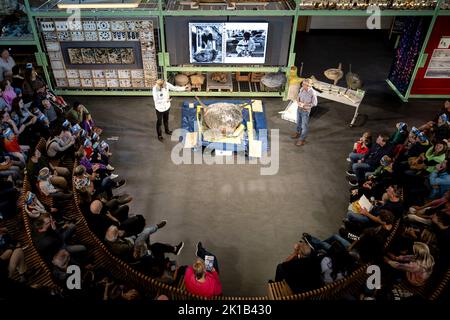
8	92
200	279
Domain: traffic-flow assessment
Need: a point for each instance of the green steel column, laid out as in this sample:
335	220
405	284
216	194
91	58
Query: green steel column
291	58
37	43
162	38
427	37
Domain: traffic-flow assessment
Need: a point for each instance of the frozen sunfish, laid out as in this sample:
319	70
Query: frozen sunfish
223	117
273	80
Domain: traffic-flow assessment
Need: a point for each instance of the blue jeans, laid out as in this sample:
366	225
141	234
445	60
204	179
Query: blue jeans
326	244
302	123
360	170
144	236
354	157
356	217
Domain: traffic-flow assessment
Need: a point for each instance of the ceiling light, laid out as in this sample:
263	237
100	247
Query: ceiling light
98	4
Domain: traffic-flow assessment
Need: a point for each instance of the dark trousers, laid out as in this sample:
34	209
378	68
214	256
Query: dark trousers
202	252
162	117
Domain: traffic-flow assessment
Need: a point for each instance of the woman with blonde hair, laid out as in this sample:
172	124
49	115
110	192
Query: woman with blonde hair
418	266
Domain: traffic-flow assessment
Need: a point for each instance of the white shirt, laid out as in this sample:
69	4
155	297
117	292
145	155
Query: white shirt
161	96
6	66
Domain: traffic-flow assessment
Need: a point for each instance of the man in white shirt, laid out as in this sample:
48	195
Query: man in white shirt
306	100
6	64
162	100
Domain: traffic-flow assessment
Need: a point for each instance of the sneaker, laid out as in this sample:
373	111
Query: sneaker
121	183
109	167
169	132
348	160
350	173
353	183
178	248
307	238
114	176
198	246
300	143
161	224
160	138
295	135
124	199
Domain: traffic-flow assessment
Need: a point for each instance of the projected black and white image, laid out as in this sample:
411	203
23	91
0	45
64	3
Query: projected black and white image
245	42
206	42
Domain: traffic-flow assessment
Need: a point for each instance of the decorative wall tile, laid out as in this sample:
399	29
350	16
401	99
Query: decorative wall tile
77	36
85	74
87	82
88	55
61	25
124	74
105	36
138	83
133	35
49	36
112	83
146	36
55	55
103	25
110	74
74	82
99	83
71	73
53	46
131	25
61	82
59	73
119	36
143	25
56	64
47	26
89	26
117	25
75	25
137	74
91	36
125	83
98	73
64	36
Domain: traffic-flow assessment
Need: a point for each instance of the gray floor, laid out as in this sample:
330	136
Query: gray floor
249	221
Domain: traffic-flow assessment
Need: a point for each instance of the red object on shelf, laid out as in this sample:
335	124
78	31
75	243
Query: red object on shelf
433	86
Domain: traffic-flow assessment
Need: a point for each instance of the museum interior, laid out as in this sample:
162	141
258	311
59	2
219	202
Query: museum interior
305	151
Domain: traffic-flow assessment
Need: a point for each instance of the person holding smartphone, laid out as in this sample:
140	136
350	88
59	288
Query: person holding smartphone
203	278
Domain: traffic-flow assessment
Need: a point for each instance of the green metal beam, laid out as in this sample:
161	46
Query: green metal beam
148	93
162	39
386	13
429	96
394	88
17	42
422	50
224	69
291	57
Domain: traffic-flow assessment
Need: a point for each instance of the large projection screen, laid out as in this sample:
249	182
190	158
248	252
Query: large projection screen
238	42
179	40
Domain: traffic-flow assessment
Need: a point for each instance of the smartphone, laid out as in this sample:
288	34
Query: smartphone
209	263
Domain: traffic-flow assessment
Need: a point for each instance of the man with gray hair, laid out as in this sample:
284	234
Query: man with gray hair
306	100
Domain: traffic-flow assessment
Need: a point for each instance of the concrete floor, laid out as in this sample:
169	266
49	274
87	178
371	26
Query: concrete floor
250	221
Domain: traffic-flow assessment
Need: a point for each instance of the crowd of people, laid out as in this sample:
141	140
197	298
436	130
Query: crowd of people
402	178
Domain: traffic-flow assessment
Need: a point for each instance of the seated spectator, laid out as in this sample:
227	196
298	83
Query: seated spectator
123	247
400	135
60	145
75	114
426	163
427	127
382	175
88	124
47	188
301	269
7	92
8	167
440	180
12	256
114	213
17	78
49	239
336	264
49	112
12	146
418	267
441	129
441	227
370	162
200	281
423	213
59	175
32	83
33	207
360	148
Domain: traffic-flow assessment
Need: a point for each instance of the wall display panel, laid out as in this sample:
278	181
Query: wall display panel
215	40
106	53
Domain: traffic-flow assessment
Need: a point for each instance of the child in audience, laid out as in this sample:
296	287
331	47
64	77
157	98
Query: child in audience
360	147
